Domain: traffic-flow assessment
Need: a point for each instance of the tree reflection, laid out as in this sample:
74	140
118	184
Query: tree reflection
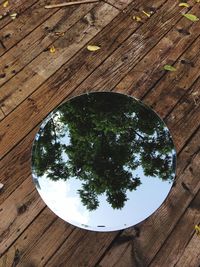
101	139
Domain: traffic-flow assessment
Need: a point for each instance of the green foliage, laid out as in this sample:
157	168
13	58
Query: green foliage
110	136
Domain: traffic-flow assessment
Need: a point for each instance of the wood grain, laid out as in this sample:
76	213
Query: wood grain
1	115
190	256
142	242
69	82
15	6
23	155
187	112
46	64
178	239
121	27
37	41
144	76
17	212
121	4
15	31
130	61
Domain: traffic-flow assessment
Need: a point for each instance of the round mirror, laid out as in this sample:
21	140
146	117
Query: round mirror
103	161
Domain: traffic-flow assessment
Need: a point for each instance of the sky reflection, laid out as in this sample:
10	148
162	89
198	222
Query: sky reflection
103	161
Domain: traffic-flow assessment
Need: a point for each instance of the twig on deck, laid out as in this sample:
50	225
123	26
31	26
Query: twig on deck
71	3
2	44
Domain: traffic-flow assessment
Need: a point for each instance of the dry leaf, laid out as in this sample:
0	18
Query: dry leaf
137	18
59	33
169	68
198	1
93	47
13	16
52	49
1	16
147	14
191	17
195	93
184	5
197	228
5	4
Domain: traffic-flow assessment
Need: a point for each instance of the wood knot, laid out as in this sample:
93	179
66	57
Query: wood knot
183	31
21	209
2	75
16	258
187	62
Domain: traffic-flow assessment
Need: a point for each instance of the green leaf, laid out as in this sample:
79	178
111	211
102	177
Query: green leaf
169	68
93	48
191	17
184	5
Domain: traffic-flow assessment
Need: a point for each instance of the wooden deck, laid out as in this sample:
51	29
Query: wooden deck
34	81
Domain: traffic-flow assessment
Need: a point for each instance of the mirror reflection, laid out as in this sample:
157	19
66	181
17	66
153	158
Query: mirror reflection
103	160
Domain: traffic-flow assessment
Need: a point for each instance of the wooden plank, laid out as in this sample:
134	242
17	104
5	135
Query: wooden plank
19	157
149	70
109	74
82	248
180	237
24	247
187	149
15	6
191	255
16	166
41	68
188	153
28	238
185	159
47	244
184	167
175	85
1	115
17	212
187	110
140	244
61	82
39	241
15	31
6	91
121	4
39	40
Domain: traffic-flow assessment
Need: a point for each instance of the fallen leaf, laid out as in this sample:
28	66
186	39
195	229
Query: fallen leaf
93	47
198	1
191	17
197	228
13	16
5	4
137	18
169	68
195	93
184	5
147	14
1	16
59	33
52	49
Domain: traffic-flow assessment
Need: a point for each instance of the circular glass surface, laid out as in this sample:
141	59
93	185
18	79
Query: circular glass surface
103	161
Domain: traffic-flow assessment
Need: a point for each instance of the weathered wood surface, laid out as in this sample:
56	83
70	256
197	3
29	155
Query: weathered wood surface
1	115
131	61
